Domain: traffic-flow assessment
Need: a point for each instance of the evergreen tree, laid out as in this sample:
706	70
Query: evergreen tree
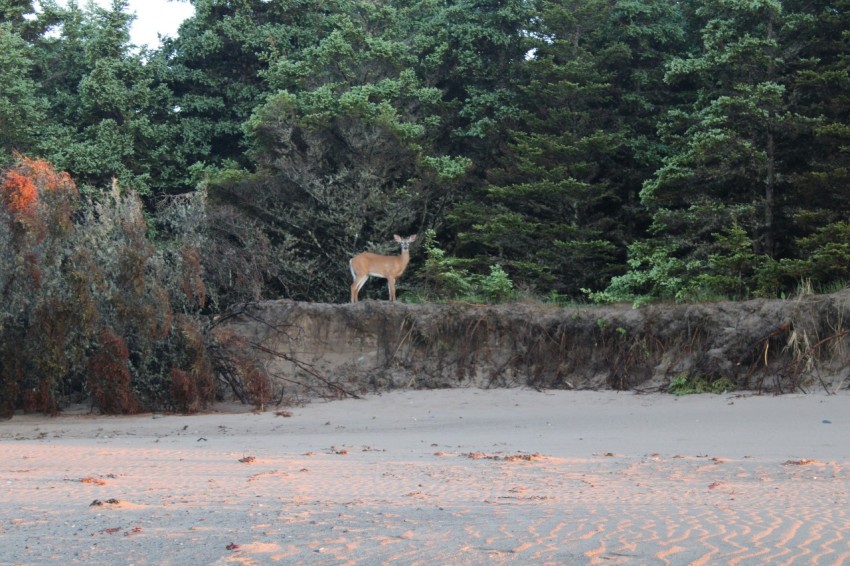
109	113
215	70
733	151
471	50
818	203
559	211
345	149
22	110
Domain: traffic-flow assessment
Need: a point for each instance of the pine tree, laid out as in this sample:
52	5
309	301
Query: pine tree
733	152
559	211
22	110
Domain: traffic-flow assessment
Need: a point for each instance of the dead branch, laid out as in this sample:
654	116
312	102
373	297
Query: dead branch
304	367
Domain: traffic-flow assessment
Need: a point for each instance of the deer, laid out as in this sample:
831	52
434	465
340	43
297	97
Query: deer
390	267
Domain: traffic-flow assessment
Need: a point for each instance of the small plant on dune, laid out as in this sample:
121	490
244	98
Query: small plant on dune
443	273
497	287
448	279
684	384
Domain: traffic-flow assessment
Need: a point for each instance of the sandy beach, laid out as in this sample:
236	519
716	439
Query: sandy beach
460	476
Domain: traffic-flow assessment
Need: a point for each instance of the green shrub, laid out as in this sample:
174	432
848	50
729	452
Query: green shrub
497	287
447	279
684	384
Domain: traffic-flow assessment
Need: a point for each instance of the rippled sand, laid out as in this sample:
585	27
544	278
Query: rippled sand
437	477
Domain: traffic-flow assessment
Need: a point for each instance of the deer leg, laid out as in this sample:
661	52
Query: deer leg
391	285
356	286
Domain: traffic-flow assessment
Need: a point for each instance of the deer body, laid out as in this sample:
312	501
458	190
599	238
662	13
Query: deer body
389	267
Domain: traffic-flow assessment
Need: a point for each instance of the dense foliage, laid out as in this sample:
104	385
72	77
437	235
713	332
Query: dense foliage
621	150
90	304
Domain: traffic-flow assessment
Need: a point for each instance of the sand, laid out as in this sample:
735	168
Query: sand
437	477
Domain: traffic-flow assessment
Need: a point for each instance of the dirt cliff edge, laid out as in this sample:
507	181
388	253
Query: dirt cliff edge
767	345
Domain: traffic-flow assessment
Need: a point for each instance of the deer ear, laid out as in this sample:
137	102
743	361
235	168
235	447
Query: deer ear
397	237
412	238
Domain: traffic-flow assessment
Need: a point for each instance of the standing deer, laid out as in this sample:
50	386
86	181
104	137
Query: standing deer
390	267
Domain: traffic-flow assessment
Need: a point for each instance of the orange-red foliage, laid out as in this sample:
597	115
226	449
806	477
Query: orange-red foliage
29	177
34	271
30	182
19	194
11	377
258	387
184	391
255	384
41	398
109	375
194	388
193	283
38	204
